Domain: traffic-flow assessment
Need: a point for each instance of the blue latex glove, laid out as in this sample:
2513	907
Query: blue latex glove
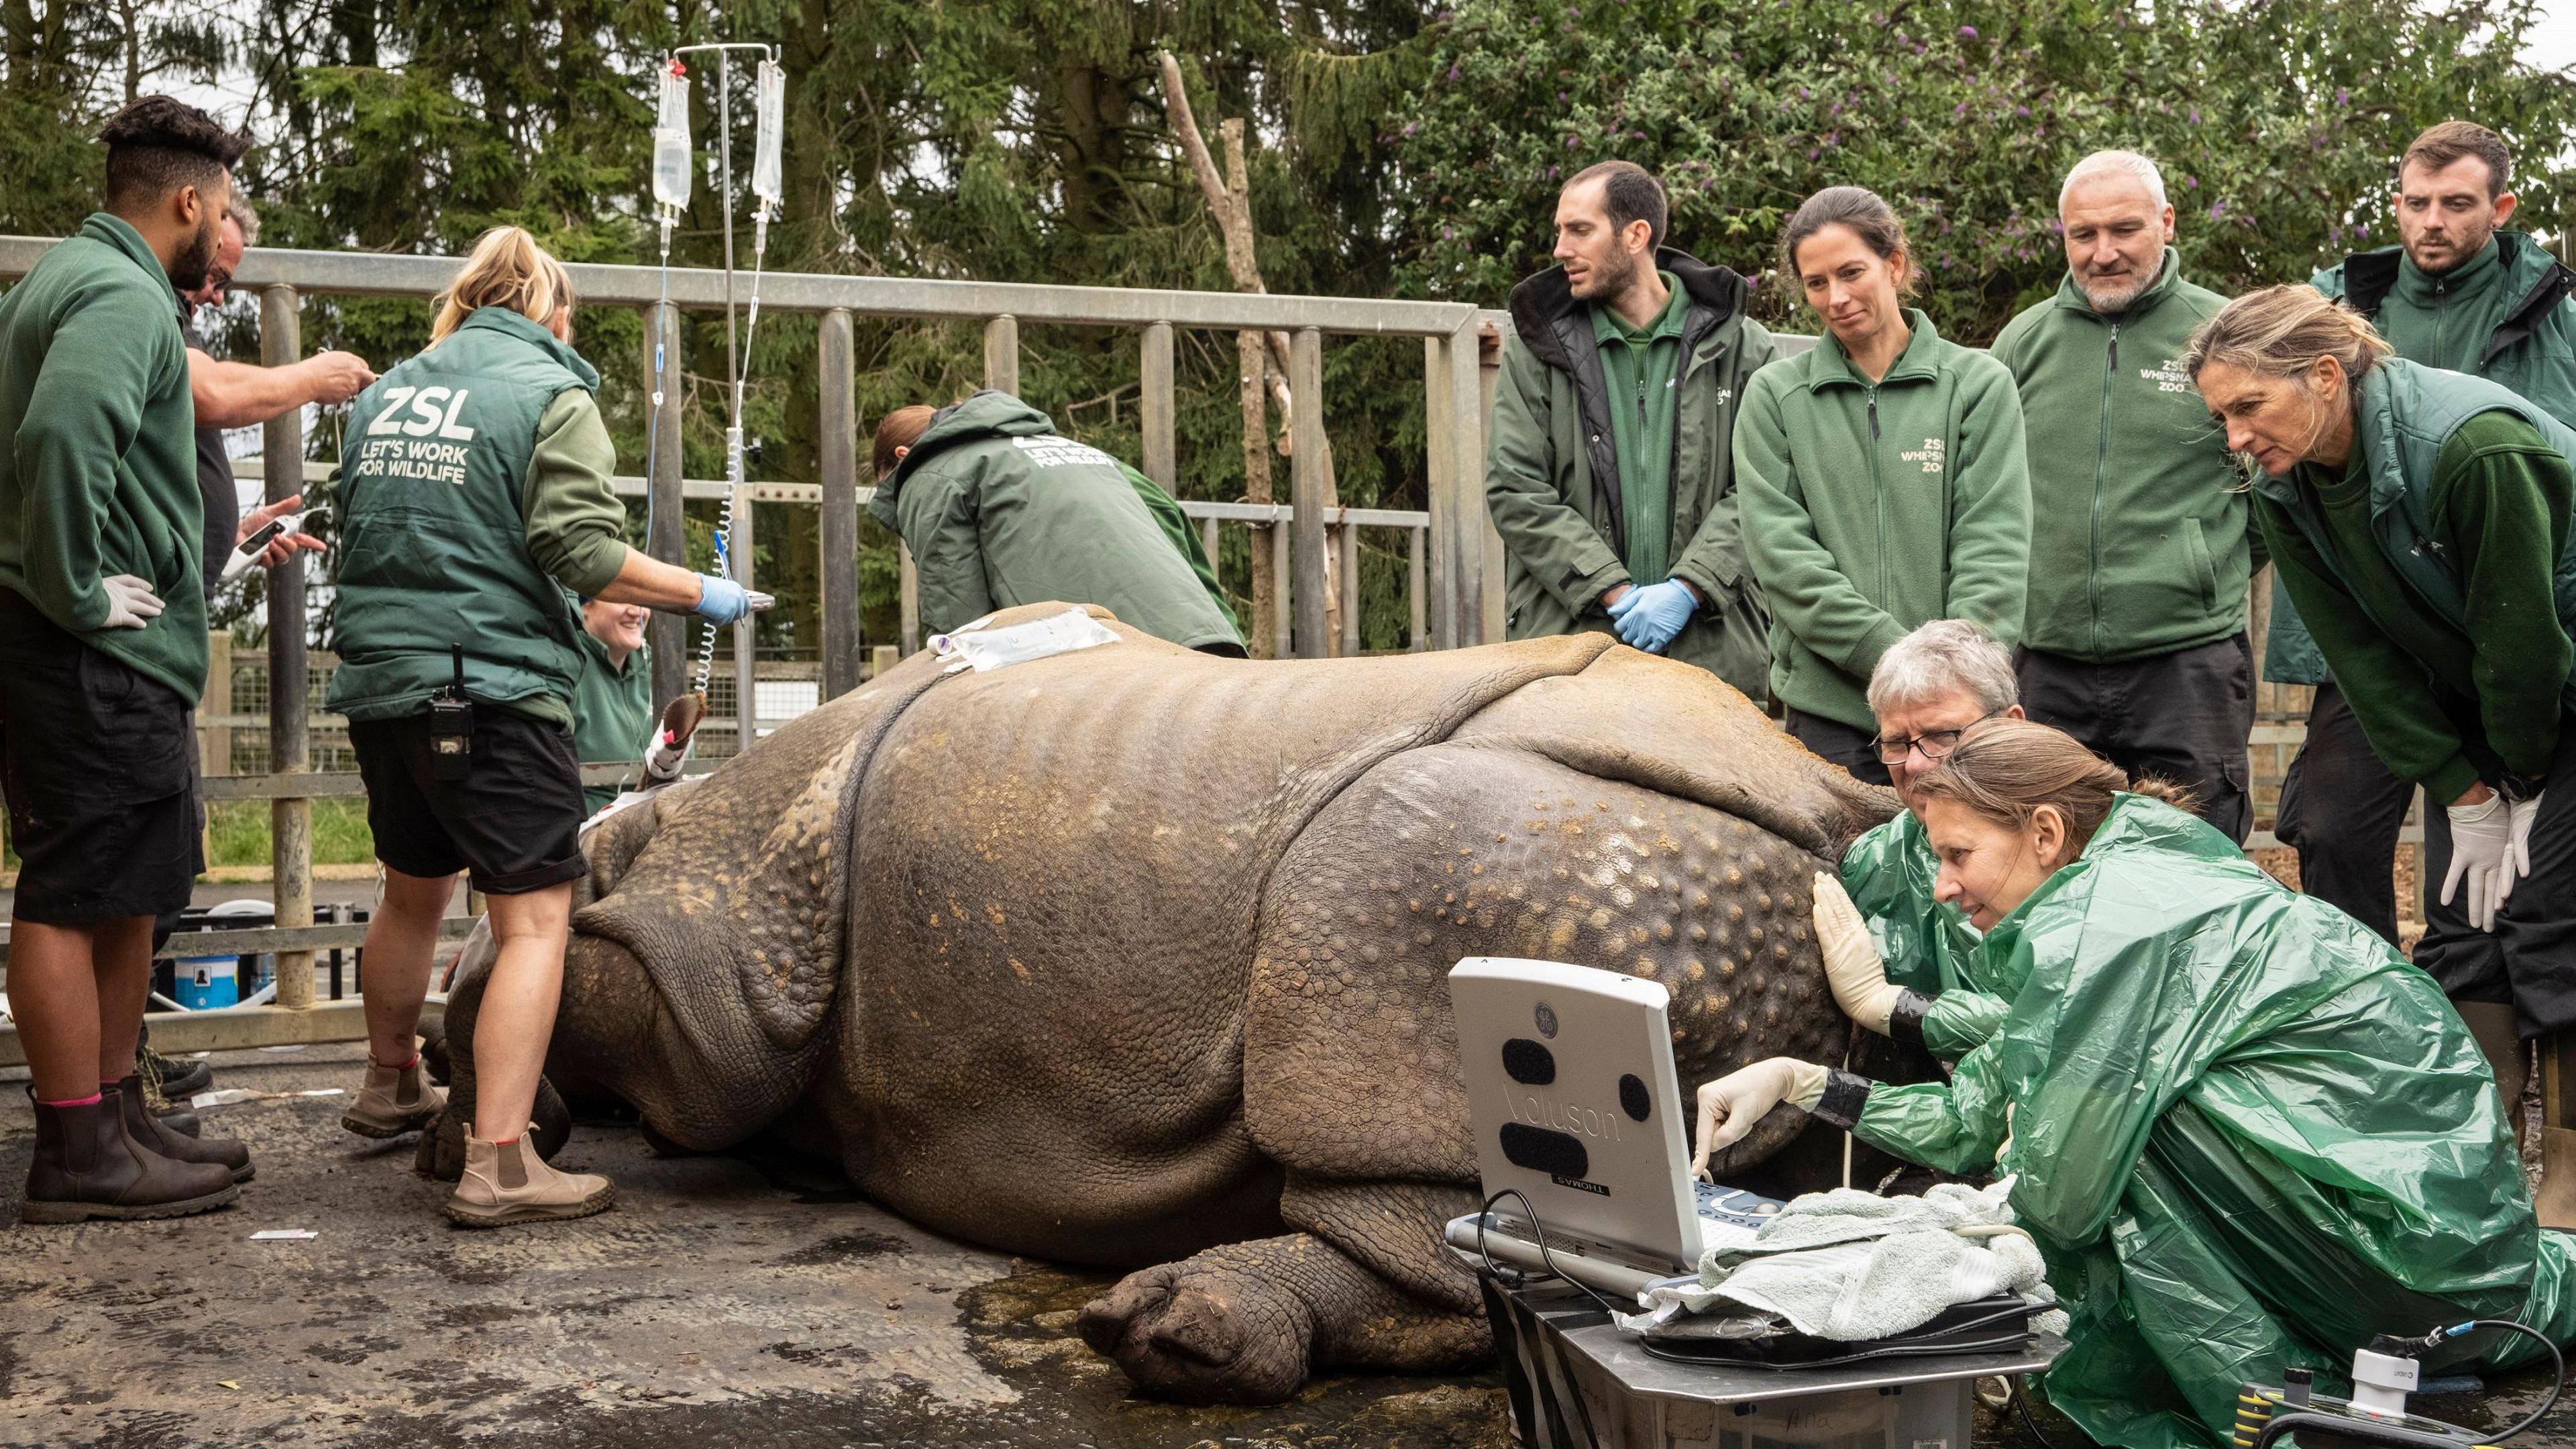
1649	618
722	601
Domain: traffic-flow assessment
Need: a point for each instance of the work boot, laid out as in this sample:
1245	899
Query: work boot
178	1078
394	1101
2491	1022
161	1109
507	1182
88	1166
155	1134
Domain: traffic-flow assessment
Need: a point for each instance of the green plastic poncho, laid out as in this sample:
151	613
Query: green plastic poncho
1928	947
2247	1134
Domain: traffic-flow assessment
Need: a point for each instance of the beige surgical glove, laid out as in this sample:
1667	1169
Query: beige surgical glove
1729	1106
1852	967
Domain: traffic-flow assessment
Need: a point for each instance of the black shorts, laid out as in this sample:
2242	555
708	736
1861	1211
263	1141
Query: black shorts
514	820
99	764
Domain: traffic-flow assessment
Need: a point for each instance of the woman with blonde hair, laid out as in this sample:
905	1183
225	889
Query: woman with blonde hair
2420	522
2246	1134
472	490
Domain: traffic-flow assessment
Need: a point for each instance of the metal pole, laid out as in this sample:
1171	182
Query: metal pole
1162	460
667	535
1440	497
1492	608
840	533
1306	385
1002	354
746	656
289	743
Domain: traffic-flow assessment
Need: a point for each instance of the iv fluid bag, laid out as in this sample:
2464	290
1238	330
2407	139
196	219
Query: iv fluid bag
771	91
672	158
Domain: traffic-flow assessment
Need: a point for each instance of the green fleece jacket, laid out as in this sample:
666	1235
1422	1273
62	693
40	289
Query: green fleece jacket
100	475
2139	521
999	510
1870	509
612	710
2428	696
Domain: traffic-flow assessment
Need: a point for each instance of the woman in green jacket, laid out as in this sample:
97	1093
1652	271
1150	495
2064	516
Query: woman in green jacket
2245	1133
2420	521
1882	475
472	491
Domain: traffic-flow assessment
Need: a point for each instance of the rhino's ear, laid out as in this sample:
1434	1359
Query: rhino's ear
1683	731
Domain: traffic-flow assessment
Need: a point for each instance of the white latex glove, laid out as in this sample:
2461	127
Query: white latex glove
130	601
1729	1106
1852	967
2481	839
2524	813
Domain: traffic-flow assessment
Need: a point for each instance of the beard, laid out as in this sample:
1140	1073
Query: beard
188	270
1609	278
2113	294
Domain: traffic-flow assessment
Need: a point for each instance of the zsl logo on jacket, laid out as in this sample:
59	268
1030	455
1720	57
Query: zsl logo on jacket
398	443
1050	451
1931	455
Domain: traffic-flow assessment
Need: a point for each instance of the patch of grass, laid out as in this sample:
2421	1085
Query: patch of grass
241	837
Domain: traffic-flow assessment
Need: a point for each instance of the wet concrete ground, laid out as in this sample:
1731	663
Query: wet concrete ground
709	1308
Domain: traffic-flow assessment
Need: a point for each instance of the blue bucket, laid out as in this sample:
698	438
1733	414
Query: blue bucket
201	983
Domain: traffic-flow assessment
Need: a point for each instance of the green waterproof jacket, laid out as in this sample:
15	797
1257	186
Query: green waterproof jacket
452	466
2532	351
1929	949
2405	414
999	510
1872	508
2247	1134
612	710
1553	480
2139	522
98	460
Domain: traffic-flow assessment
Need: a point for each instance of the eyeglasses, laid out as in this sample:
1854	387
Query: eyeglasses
1936	745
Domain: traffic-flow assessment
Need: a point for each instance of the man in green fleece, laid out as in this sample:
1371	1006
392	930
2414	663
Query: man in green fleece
102	656
2133	640
1611	469
1000	510
2459	292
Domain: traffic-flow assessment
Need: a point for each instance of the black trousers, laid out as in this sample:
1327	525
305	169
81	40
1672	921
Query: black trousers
1839	743
2529	959
2341	811
2182	717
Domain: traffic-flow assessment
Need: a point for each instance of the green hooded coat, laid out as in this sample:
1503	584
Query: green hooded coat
999	510
2528	345
1554	481
2247	1134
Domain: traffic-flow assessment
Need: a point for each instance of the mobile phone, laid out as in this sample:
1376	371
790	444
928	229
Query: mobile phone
247	552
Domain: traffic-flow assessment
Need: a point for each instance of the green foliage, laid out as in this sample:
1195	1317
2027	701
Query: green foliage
2276	123
238	833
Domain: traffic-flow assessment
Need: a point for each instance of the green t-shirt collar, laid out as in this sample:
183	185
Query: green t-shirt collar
1609	326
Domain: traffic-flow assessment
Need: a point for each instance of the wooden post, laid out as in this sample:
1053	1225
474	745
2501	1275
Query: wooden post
1307	481
1462	409
1493	610
290	747
214	741
909	581
666	531
1350	581
1280	590
1162	454
1440	611
882	658
1415	640
1002	354
840	531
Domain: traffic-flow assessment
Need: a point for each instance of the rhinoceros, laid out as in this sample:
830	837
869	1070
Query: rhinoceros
1135	957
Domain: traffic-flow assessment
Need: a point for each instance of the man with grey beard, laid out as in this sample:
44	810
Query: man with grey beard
2134	638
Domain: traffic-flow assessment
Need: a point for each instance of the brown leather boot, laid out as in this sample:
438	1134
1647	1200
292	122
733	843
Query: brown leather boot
156	1134
507	1182
395	1100
88	1166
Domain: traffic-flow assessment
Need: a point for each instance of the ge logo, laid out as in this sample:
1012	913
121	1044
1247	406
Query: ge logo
1546	1020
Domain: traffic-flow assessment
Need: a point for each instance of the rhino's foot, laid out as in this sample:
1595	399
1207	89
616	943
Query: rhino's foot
1247	1322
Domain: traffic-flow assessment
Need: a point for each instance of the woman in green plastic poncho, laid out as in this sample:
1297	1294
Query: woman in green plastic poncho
2247	1134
